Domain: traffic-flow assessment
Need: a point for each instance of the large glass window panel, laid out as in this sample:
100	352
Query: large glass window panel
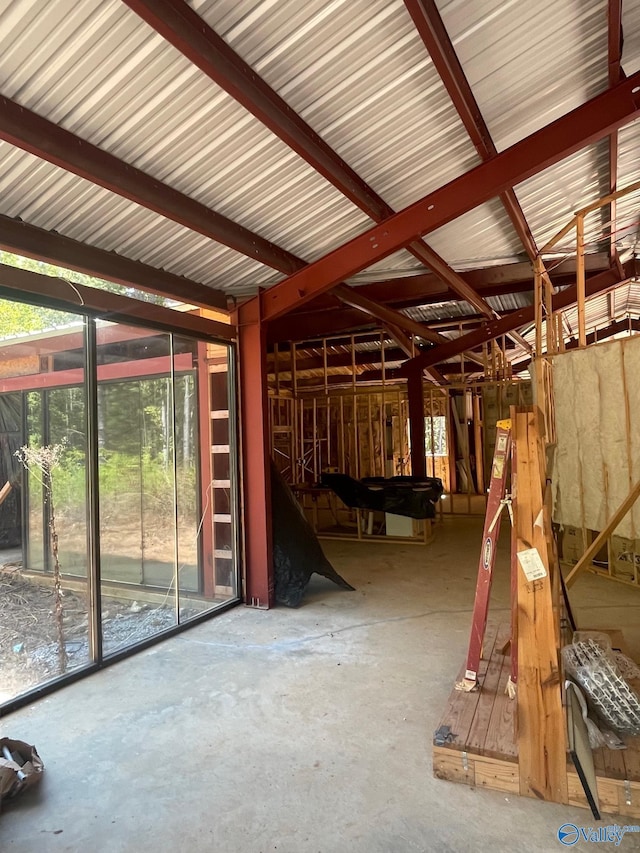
163	446
136	437
44	604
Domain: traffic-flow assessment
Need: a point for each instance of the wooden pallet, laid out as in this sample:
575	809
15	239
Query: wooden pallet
484	752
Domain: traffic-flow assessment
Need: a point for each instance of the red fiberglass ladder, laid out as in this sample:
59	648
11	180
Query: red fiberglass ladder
497	500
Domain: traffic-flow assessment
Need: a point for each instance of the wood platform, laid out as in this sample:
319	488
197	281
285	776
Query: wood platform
483	752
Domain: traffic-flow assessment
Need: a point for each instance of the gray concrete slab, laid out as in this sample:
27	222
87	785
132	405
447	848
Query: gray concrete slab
302	731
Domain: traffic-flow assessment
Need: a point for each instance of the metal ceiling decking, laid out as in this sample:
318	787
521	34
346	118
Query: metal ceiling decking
358	72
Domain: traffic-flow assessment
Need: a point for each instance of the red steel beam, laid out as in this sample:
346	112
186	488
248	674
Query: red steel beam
52	248
615	74
182	27
588	123
433	32
490	331
29	286
159	365
415	395
350	296
27	130
422	288
256	472
186	30
319	318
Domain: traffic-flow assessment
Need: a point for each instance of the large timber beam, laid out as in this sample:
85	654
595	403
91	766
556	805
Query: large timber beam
53	248
588	123
433	32
524	316
39	136
191	35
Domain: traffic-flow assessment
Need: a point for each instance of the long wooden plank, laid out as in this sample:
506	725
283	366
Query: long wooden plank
541	723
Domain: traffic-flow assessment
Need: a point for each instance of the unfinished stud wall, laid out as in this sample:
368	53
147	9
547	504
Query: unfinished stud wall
362	434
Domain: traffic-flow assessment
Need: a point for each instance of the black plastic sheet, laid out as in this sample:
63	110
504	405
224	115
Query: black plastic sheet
297	554
414	497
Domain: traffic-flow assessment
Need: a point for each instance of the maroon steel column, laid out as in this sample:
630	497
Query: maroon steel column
256	480
415	390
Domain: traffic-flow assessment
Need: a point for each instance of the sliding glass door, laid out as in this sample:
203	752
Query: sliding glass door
118	452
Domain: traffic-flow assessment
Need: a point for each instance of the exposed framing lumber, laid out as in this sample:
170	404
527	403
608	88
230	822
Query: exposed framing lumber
588	123
541	722
602	537
39	136
53	248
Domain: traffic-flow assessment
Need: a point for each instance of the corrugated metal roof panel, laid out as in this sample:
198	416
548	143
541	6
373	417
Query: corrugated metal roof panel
102	73
483	237
356	70
628	208
529	63
550	198
50	198
631	30
359	74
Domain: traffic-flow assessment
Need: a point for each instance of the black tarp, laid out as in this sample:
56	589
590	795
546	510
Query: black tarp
414	497
10	469
297	554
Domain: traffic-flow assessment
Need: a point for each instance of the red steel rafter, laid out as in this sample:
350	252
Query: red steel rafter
29	131
32	242
186	30
432	30
588	123
614	54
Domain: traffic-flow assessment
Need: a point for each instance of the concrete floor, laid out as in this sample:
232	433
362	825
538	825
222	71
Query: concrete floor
302	731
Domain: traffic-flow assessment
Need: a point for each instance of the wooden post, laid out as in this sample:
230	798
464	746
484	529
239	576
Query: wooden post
415	389
548	306
580	280
541	723
537	301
